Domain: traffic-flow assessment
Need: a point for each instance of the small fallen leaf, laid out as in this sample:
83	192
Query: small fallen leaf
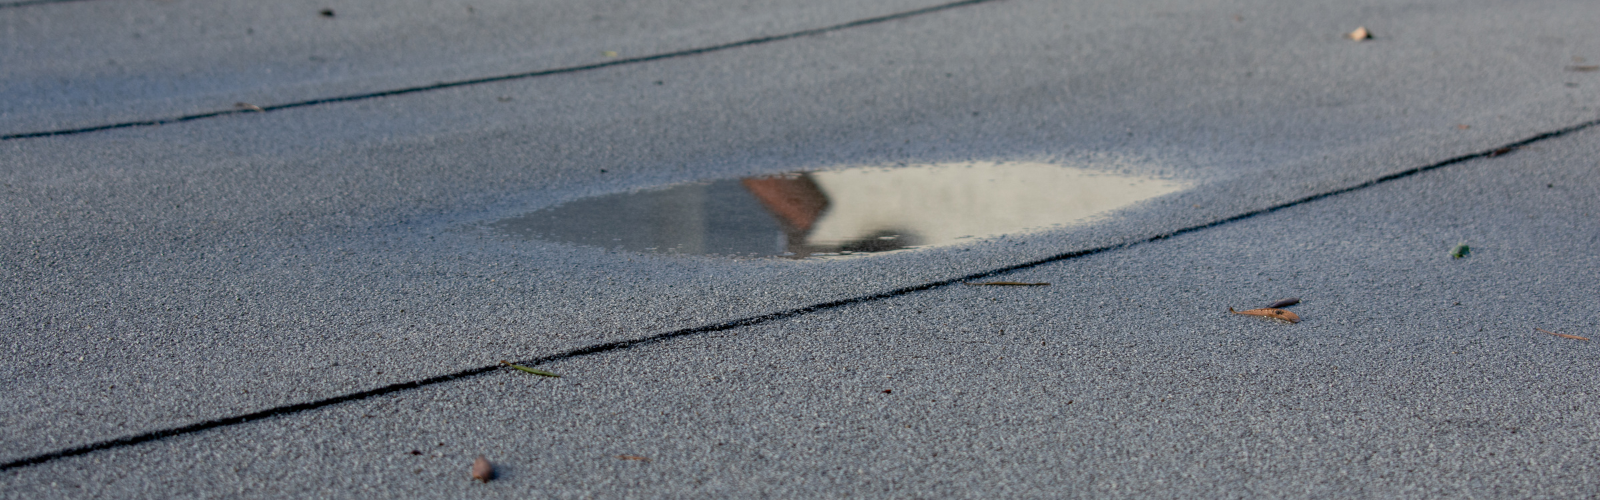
529	370
1278	314
1461	250
609	53
1562	335
1283	303
1007	283
633	457
482	470
1583	69
1359	34
251	107
1501	151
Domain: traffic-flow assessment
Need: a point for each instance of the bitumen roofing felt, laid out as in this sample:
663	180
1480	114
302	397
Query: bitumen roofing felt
249	251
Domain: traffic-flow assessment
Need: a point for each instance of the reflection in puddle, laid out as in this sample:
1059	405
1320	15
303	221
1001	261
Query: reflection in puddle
837	212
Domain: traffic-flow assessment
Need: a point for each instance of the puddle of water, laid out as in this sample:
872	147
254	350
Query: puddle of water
840	212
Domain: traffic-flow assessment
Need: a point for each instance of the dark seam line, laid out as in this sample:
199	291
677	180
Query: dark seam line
756	320
35	2
501	78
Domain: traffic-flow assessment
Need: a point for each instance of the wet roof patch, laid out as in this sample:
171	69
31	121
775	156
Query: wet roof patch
840	212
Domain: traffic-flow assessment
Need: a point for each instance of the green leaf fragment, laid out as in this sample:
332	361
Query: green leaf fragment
534	371
1460	251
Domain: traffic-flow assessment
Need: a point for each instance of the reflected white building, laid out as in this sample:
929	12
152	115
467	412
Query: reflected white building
863	209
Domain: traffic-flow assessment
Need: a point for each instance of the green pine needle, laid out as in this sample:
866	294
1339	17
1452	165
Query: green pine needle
541	373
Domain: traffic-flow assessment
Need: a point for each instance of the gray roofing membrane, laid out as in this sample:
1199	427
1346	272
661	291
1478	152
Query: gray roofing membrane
205	300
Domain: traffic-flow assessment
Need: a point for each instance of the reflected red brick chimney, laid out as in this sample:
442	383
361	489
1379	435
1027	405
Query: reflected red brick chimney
794	199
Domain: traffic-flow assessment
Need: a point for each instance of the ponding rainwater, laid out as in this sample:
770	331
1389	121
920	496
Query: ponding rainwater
840	212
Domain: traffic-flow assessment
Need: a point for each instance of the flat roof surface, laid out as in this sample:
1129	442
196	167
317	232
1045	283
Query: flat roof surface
248	251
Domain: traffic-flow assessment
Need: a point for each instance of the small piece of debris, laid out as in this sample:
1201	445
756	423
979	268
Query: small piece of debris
1007	283
538	372
1278	314
1463	126
1359	34
504	98
415	452
1460	251
888	391
1501	151
609	53
482	470
1583	69
1562	335
326	12
1283	303
251	107
633	457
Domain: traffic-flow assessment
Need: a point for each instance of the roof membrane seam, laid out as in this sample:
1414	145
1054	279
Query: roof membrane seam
491	79
29	3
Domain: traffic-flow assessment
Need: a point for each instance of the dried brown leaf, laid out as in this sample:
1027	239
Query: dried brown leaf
482	470
1008	283
1283	303
1278	314
1359	34
1562	335
633	457
1502	151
